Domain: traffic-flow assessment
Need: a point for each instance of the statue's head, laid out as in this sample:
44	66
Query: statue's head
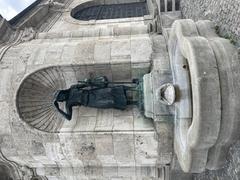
61	95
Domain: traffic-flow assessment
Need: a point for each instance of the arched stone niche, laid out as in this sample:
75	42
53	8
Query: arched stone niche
34	99
98	10
10	170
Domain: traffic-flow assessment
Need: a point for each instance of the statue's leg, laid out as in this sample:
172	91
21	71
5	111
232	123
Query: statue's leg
130	97
132	102
128	88
137	96
136	81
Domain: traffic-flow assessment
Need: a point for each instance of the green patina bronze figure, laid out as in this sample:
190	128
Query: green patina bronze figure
96	93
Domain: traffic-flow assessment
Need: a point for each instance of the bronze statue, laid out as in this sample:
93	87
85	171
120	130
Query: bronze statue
96	93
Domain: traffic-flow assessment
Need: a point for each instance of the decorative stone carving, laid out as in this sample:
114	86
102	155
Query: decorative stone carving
28	34
35	99
56	5
17	37
53	4
16	171
166	94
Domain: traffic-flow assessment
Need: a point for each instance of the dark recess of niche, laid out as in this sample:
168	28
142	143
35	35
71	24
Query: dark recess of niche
169	5
162	5
177	5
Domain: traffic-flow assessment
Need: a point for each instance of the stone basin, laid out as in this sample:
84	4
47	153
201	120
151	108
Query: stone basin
205	74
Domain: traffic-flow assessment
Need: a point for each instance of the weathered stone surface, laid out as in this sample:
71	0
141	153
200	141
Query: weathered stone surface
224	14
87	146
165	135
110	144
153	107
229	171
191	144
214	149
95	144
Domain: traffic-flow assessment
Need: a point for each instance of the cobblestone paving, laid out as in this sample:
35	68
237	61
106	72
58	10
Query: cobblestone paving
225	14
230	172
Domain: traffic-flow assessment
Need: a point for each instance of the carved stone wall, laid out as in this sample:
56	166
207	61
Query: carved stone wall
107	144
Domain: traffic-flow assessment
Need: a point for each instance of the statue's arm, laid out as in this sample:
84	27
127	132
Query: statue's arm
67	115
101	82
79	86
69	111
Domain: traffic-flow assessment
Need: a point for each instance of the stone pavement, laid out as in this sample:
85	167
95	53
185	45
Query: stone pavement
225	14
229	172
